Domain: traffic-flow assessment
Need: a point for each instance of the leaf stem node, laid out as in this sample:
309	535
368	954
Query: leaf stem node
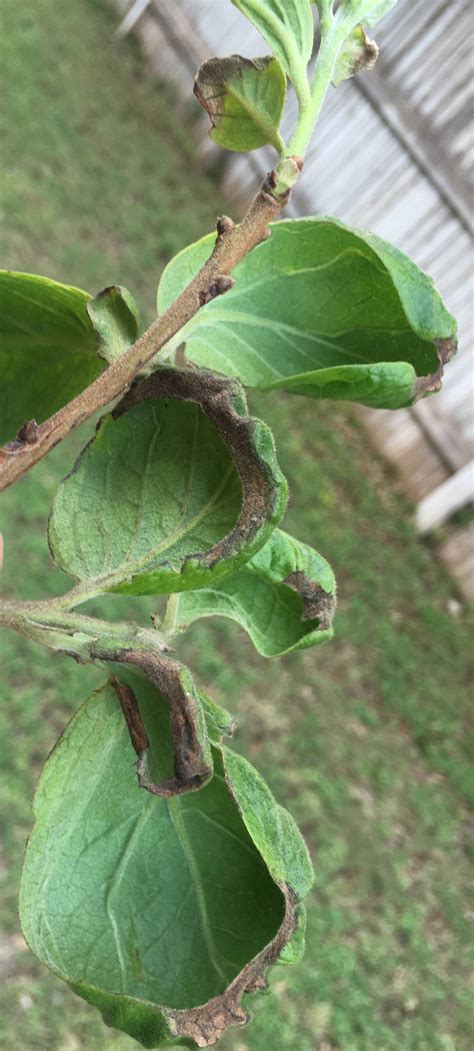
223	283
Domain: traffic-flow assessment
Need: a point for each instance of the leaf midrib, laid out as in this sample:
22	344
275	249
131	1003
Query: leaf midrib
174	809
132	567
126	855
255	115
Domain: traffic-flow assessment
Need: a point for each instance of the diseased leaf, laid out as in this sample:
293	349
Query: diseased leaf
295	949
178	487
48	349
324	311
244	99
114	315
163	913
189	711
284	598
357	54
287	26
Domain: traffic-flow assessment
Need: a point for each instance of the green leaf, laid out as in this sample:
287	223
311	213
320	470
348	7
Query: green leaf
357	54
244	99
163	913
321	310
368	11
284	598
295	949
271	828
325	8
114	315
178	487
375	14
287	26
48	349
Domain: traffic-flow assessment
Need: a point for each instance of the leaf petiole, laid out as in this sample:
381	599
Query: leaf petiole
76	634
170	619
332	38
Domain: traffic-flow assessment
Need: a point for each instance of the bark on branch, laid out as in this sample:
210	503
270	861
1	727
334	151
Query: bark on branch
233	243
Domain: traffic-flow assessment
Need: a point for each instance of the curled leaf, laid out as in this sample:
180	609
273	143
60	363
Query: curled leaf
358	53
163	913
244	99
192	760
284	598
324	311
116	321
192	483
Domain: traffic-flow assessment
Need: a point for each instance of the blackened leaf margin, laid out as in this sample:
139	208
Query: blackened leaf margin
284	598
103	902
176	476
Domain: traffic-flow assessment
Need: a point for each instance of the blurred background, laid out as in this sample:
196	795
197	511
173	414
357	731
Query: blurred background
107	172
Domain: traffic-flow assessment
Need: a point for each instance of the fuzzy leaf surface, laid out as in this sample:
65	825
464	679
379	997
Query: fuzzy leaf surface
116	321
178	487
288	28
321	310
374	12
162	913
284	598
367	11
244	99
48	348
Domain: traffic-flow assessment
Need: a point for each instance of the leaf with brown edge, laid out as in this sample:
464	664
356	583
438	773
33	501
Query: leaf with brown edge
424	385
192	760
324	311
357	54
284	598
245	99
163	913
193	489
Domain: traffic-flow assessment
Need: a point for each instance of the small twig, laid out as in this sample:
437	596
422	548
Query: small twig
233	243
51	625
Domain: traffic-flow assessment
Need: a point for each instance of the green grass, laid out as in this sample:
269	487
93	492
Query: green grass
366	740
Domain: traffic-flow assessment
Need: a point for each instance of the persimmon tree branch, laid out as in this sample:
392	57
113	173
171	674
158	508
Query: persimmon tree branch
233	243
180	493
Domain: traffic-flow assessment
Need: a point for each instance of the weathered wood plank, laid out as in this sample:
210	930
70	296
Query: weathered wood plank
456	492
457	553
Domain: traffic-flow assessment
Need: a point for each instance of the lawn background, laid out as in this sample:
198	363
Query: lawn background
365	740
